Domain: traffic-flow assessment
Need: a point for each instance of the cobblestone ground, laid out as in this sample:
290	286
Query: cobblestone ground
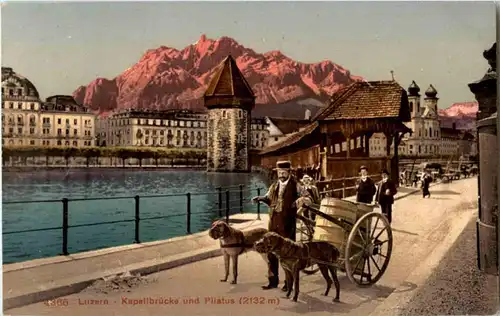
194	289
457	287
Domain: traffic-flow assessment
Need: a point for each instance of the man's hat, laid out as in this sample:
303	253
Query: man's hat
307	177
285	164
385	172
363	168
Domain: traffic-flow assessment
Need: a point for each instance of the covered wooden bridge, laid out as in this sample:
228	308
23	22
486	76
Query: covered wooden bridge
336	142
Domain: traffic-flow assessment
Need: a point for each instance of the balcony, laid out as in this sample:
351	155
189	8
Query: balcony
19	98
20	123
33	123
48	125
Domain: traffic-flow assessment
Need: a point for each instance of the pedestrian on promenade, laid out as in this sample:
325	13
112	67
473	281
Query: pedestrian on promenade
281	198
365	187
386	189
426	181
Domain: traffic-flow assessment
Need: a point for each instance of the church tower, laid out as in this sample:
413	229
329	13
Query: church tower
430	100
229	101
414	99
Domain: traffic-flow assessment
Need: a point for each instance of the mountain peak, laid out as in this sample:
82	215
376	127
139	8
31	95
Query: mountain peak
166	77
461	109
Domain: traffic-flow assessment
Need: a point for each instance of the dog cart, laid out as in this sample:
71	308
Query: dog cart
363	237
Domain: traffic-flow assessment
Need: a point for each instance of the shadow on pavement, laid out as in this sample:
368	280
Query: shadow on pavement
309	304
404	232
444	192
246	287
406	287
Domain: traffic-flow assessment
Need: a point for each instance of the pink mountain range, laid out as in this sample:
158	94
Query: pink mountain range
168	78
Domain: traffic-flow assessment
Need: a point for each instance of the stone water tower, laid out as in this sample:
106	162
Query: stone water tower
229	101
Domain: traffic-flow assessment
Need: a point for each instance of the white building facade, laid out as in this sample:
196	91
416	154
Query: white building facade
169	128
428	137
28	121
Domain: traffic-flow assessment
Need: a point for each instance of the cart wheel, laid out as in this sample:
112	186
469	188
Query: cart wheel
368	249
306	233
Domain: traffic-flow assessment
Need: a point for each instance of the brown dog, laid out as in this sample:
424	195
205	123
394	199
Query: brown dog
234	242
295	256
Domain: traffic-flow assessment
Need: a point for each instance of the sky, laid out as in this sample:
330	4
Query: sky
61	46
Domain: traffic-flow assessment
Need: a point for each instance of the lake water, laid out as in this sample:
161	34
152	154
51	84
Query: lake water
94	183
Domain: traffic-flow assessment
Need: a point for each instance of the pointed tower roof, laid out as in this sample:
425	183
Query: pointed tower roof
413	89
228	87
431	92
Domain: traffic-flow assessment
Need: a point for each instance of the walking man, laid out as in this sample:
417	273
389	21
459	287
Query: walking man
365	187
426	181
386	189
281	198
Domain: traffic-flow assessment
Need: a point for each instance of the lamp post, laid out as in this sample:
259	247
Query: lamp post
488	221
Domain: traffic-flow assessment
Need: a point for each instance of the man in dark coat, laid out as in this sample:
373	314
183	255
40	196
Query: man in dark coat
386	189
365	187
426	181
281	198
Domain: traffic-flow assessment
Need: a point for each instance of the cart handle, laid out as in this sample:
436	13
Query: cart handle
346	225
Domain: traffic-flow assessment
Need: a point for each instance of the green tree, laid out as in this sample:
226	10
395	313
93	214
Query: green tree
124	154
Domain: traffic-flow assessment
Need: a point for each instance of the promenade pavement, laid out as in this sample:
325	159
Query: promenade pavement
419	227
42	279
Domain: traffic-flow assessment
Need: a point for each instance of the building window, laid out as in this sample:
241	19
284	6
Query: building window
223	114
32	130
67	131
32	106
75	122
411	106
59	143
32	142
75	143
58	121
75	132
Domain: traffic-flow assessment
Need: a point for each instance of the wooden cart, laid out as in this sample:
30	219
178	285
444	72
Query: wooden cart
363	237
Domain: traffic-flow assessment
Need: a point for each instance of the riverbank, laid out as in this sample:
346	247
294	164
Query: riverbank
33	168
